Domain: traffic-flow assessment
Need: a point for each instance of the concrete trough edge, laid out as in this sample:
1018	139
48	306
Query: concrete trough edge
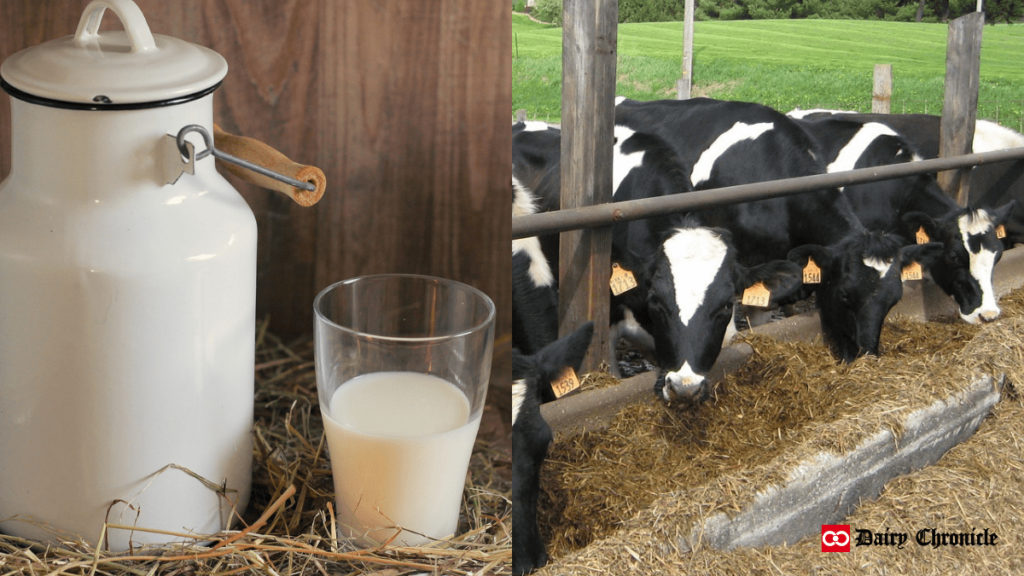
923	300
827	488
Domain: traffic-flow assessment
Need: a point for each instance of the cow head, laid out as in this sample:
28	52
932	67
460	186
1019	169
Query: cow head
531	437
860	283
971	250
688	291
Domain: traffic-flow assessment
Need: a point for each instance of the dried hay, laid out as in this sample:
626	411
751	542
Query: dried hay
288	526
623	496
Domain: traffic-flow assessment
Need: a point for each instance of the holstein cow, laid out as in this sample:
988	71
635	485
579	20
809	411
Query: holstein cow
992	185
535	162
687	275
731	143
535	182
531	437
915	205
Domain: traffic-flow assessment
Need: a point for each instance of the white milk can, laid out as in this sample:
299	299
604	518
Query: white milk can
127	304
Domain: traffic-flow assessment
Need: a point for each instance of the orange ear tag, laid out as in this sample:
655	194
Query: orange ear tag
622	280
565	382
1000	231
812	274
911	271
922	236
756	295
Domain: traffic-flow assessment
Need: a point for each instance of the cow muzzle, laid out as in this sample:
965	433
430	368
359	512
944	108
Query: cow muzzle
683	384
981	315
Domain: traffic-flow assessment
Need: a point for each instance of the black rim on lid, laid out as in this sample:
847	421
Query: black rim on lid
102	102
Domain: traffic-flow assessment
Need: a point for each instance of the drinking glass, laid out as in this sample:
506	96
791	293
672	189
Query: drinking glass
402	367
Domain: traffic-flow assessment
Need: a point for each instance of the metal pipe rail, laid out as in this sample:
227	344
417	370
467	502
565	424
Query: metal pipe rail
610	213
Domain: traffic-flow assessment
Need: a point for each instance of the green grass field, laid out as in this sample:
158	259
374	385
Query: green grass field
782	63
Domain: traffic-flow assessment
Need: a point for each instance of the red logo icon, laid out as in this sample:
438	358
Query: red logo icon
835	537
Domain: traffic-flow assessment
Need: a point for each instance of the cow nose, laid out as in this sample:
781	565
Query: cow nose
982	316
989	315
682	385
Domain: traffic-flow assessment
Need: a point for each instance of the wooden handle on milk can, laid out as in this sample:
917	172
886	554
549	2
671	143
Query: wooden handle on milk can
262	154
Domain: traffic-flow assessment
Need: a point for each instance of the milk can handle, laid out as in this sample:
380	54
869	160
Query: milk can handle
131	18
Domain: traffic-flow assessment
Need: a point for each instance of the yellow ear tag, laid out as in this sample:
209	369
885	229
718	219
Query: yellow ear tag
622	280
1000	231
911	271
565	382
812	274
922	236
756	295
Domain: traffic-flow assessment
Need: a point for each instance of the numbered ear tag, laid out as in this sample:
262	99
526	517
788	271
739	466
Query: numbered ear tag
812	274
622	280
1000	231
756	295
565	382
922	236
911	271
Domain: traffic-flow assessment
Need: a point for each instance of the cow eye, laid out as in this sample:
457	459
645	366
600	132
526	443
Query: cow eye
953	257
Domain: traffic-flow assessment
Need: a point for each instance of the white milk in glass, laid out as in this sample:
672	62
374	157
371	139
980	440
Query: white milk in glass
400	443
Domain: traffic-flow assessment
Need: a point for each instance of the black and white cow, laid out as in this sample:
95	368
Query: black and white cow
992	185
531	437
534	287
731	143
535	166
688	276
909	204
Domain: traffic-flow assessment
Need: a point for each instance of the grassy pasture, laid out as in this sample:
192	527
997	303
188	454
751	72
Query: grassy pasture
782	63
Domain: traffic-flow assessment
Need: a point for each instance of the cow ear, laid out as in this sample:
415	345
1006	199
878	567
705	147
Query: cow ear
1002	214
568	350
915	221
627	258
781	277
724	234
924	254
799	255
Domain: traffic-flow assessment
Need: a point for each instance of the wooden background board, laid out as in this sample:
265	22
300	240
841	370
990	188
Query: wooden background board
404	104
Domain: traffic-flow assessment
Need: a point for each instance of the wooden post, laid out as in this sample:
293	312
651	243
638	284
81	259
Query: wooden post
963	64
881	95
588	115
520	115
686	82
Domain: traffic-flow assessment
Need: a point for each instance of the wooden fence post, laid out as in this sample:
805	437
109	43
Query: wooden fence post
881	95
959	109
686	82
589	41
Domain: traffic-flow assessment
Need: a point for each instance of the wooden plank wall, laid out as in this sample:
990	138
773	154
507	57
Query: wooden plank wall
403	103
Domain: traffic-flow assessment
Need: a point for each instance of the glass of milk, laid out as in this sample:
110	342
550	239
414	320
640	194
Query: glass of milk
402	366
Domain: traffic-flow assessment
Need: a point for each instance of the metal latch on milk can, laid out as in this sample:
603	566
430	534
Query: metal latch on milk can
249	159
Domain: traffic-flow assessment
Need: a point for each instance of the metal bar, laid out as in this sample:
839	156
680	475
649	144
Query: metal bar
606	214
308	186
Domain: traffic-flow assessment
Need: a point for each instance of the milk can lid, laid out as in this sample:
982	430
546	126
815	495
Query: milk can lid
132	68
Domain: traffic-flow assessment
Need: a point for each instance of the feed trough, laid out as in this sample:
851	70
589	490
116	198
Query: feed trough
789	441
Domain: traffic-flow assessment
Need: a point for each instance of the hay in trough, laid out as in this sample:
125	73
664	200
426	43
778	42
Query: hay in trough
288	527
622	497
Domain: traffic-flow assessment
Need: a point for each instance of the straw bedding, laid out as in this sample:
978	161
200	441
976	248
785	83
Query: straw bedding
288	527
616	500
